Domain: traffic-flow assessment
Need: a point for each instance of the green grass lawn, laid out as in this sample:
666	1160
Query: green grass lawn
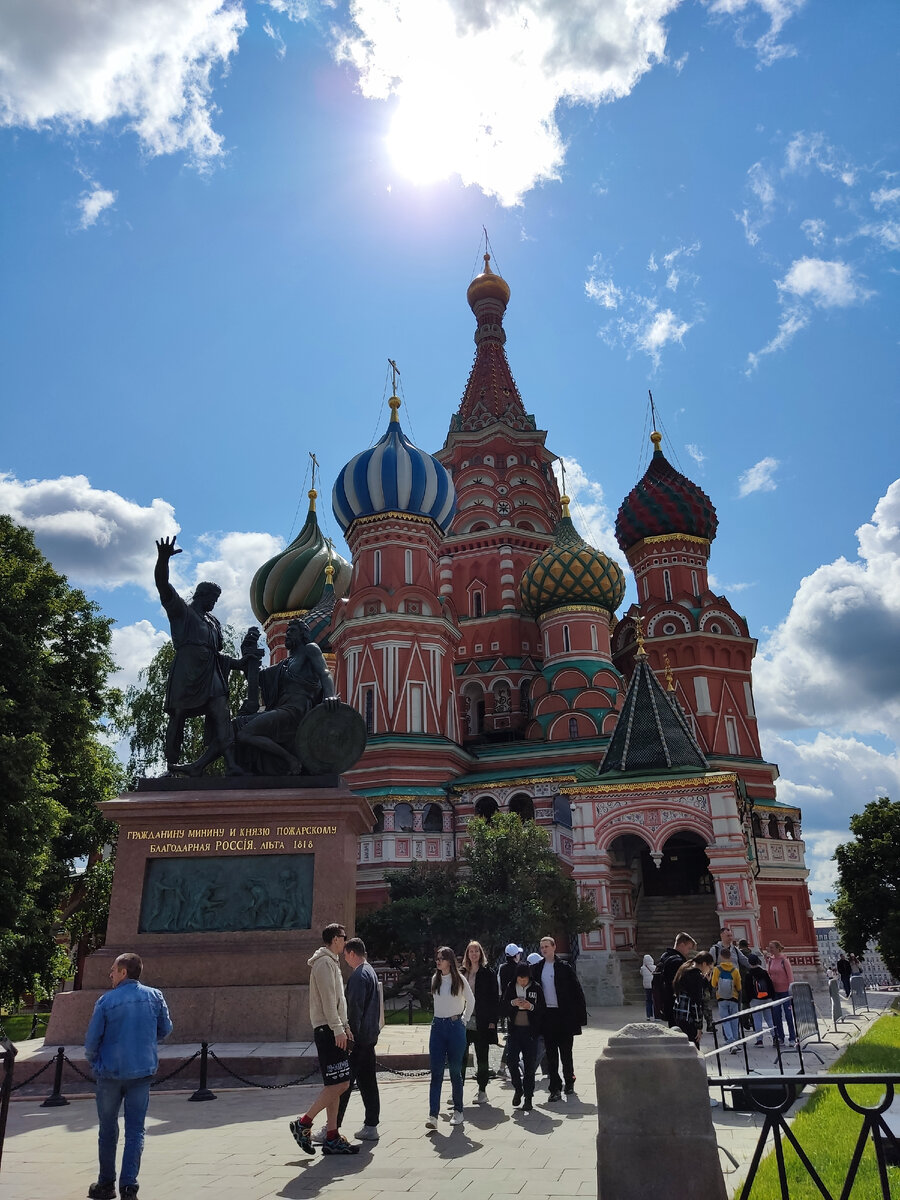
827	1129
18	1027
401	1017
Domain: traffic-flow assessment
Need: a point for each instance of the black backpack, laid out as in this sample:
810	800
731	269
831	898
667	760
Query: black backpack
661	988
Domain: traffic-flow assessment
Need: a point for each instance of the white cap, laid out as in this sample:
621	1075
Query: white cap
512	950
535	958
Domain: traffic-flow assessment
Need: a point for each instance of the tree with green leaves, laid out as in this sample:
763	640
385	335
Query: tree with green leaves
55	764
868	890
509	886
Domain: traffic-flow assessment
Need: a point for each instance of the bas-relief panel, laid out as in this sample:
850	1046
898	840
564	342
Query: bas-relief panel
227	895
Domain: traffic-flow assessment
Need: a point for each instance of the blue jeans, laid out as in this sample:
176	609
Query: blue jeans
447	1044
648	1000
784	1012
110	1094
731	1030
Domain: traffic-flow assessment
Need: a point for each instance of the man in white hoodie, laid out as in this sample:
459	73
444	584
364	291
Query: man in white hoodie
328	1015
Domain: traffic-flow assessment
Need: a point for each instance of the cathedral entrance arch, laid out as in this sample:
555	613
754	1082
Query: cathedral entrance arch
683	868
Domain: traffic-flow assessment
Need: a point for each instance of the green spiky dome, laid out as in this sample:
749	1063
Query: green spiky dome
294	580
571	572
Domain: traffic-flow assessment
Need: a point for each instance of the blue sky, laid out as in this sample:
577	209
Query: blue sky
220	220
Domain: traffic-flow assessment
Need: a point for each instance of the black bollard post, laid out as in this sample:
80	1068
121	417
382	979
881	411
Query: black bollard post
9	1059
203	1092
410	1010
56	1098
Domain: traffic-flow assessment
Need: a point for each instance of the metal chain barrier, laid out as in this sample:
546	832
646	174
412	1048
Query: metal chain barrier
77	1069
184	1062
417	1074
31	1078
269	1087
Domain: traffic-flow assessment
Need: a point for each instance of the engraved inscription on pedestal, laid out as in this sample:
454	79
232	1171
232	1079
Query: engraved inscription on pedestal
244	893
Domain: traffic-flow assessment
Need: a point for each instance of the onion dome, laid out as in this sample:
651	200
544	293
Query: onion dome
664	501
571	572
394	476
295	580
487	286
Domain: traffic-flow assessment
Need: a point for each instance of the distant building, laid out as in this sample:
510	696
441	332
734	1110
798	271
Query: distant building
476	633
875	972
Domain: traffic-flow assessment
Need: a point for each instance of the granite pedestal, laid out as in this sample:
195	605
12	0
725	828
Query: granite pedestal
223	887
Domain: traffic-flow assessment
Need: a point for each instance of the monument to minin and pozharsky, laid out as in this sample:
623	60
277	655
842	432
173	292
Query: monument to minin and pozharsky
223	883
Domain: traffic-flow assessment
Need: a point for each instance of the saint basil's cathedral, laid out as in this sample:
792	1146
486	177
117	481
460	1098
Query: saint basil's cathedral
476	633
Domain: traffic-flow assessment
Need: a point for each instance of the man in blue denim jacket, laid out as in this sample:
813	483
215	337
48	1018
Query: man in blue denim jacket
120	1045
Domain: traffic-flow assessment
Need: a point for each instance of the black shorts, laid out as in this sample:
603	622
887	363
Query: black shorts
333	1062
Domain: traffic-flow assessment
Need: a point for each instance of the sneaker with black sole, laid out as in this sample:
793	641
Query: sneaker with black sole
102	1191
526	1107
303	1136
431	1121
457	1118
570	1089
320	1135
517	1098
481	1098
554	1097
339	1145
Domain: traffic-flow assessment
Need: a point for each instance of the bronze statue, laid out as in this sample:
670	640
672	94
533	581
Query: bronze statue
289	690
198	680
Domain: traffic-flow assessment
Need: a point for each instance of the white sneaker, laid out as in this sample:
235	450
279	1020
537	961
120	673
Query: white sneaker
431	1121
457	1118
320	1135
481	1098
368	1133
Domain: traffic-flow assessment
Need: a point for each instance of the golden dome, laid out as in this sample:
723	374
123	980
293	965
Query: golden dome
487	286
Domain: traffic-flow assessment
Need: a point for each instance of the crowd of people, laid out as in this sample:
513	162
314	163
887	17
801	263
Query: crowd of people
685	984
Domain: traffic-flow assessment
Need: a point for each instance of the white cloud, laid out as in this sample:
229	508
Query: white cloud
826	284
644	322
758	212
885	232
231	561
478	84
758	478
809	282
96	538
589	510
814	228
813	150
884	196
132	648
94	202
696	453
147	64
779	12
832	662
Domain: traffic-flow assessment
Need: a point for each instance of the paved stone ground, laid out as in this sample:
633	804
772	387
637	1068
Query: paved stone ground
239	1146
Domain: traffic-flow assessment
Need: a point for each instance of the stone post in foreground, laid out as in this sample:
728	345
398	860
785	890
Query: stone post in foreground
655	1135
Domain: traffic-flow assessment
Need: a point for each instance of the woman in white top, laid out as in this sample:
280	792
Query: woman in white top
454	1003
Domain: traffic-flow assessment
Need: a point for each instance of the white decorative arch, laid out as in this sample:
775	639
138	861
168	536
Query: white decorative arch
717	615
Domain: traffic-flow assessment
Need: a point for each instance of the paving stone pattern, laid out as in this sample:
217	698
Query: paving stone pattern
239	1145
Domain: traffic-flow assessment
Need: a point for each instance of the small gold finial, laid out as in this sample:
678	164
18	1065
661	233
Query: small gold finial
656	439
670	679
394	403
564	501
329	575
312	493
639	634
487	264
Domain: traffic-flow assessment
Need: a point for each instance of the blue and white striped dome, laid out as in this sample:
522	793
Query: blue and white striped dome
394	476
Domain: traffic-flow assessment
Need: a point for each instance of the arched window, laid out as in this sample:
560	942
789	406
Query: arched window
433	821
756	823
567	644
477	604
773	827
667	584
695	586
525	697
573	728
370	710
486	807
789	831
376	567
523	807
378	810
593	637
403	818
408	566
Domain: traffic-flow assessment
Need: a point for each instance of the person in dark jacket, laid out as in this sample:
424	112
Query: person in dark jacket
506	975
482	1031
523	1006
688	985
564	1016
364	1019
845	970
669	963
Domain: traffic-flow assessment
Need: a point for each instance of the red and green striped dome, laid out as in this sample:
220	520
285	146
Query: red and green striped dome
664	501
571	572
